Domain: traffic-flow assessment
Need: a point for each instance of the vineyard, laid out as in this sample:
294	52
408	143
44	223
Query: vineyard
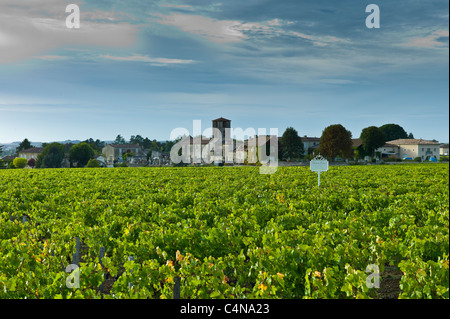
224	232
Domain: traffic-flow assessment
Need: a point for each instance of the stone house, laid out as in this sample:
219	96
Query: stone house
412	148
31	153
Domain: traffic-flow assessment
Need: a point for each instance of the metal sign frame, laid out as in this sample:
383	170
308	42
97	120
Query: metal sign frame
318	164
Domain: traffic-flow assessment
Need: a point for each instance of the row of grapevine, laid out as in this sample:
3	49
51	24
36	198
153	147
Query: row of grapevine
226	232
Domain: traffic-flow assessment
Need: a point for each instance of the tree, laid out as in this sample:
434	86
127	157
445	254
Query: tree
155	146
137	140
93	163
20	162
167	146
372	138
23	146
51	157
32	162
127	154
119	140
410	136
67	147
81	153
336	140
292	144
1	150
146	143
96	145
393	132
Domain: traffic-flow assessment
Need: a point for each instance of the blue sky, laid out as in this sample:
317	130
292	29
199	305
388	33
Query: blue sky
148	67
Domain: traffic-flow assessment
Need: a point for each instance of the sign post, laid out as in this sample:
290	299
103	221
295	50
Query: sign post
319	165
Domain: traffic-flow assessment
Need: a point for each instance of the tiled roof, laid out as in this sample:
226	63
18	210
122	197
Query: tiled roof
310	139
389	145
356	142
125	145
33	150
412	141
8	157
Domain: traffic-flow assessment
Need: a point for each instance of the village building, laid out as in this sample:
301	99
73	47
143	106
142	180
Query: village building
31	153
444	150
310	144
114	152
388	150
411	149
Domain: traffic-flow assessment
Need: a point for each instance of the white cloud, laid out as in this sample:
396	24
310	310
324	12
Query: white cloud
26	32
51	57
226	31
146	59
430	41
221	31
319	40
177	6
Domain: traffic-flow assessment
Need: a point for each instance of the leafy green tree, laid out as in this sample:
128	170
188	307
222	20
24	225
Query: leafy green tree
96	145
20	162
167	146
24	145
51	157
372	138
137	140
393	132
155	146
410	136
336	140
81	153
128	154
119	140
93	163
291	144
146	143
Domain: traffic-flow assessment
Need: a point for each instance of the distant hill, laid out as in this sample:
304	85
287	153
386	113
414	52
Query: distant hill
68	141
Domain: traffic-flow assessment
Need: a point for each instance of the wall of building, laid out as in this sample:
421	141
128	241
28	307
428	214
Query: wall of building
28	156
428	150
423	151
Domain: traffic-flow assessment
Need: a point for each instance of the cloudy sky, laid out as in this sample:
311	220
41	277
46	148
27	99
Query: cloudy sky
149	66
